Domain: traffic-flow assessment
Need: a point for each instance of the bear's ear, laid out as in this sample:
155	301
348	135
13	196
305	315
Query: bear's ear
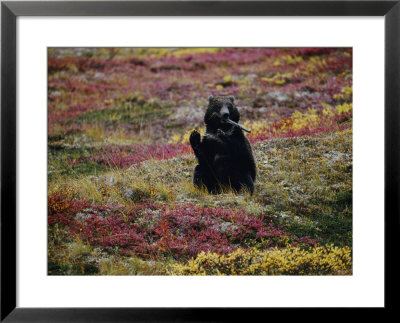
210	98
232	98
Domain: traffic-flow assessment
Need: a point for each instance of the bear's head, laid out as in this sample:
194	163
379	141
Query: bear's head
220	107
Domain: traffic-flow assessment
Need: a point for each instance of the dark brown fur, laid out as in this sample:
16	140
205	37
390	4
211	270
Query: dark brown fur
225	156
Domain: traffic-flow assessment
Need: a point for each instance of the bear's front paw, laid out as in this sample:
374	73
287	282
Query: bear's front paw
195	139
221	134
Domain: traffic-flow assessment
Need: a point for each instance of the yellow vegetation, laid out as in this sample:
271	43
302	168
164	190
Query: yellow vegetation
326	260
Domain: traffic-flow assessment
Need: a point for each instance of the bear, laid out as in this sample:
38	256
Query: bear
224	155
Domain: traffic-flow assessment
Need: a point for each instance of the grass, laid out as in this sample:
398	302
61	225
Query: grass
309	202
126	112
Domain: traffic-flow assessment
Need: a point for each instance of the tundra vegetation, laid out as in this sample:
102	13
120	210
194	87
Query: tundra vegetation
120	168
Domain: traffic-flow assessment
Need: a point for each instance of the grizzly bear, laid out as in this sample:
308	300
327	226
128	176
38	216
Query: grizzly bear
224	154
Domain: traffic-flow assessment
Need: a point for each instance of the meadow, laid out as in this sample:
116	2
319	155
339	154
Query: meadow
120	194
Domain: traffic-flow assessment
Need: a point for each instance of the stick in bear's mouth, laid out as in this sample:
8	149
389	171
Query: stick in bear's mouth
236	124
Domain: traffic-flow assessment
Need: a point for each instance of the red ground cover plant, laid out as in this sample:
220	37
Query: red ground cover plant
180	231
126	156
81	85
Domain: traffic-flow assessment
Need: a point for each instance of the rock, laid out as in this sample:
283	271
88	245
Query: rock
263	109
128	193
99	75
252	76
81	216
225	227
284	215
278	96
188	113
111	180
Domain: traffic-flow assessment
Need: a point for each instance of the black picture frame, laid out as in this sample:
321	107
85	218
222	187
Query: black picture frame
11	10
